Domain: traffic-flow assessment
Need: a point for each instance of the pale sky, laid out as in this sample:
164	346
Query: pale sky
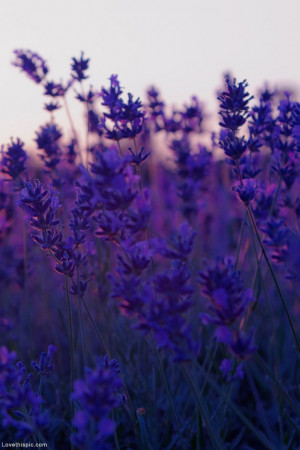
183	47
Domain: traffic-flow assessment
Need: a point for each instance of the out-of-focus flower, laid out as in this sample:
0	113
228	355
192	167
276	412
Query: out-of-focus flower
79	67
32	64
17	397
97	396
225	289
180	244
45	367
246	192
14	159
233	146
47	139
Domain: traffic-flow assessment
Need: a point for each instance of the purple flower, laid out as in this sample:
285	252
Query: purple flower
97	396
14	159
155	105
139	157
246	192
234	104
53	89
45	367
47	140
16	396
230	371
51	106
32	64
79	67
139	212
136	258
286	167
111	225
180	244
233	146
174	282
41	205
225	289
192	117
239	343
127	119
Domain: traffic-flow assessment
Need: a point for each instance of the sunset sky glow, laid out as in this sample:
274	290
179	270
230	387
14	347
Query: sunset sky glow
182	47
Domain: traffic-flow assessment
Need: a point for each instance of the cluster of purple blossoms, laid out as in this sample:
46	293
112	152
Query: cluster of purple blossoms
41	205
234	110
13	161
45	367
110	194
97	396
188	120
20	406
47	139
193	169
157	302
32	64
123	120
229	301
79	67
54	90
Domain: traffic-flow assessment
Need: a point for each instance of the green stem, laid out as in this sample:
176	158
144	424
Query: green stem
202	409
269	215
252	220
75	135
165	381
273	275
263	439
71	348
240	242
87	128
96	329
81	320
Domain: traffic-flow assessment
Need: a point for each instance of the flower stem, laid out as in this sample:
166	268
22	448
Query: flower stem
71	346
202	409
75	135
81	321
165	381
252	220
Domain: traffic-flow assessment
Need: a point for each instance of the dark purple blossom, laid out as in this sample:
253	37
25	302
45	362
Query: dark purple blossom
136	259
138	158
17	396
14	159
225	289
246	192
180	244
41	205
155	104
31	63
52	106
126	119
97	396
45	367
234	104
233	146
53	89
230	371
47	139
79	67
239	343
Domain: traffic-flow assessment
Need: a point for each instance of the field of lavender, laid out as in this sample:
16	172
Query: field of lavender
149	271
